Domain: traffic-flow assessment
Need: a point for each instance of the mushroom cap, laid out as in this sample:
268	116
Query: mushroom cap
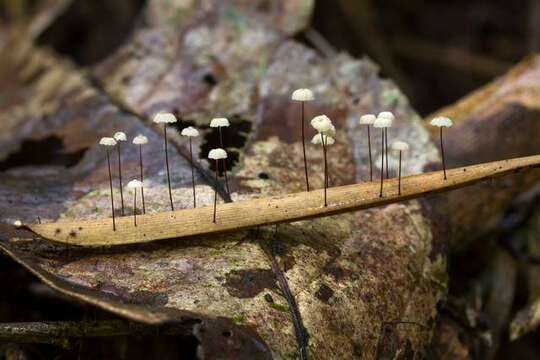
190	131
321	123
400	146
217	154
164	118
134	184
387	114
17	223
120	136
382	122
107	141
330	132
441	121
302	95
219	122
367	119
140	140
316	140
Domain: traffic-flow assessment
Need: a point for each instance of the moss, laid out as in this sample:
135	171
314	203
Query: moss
279	307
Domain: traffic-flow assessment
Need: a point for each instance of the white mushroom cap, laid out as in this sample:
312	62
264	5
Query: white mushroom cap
164	118
302	95
134	184
17	223
120	136
330	132
107	141
140	140
387	114
441	121
382	122
367	119
217	154
400	146
190	131
219	122
321	123
316	140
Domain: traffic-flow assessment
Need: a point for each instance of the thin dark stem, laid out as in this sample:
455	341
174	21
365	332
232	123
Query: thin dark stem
442	154
120	177
304	149
215	191
167	164
369	150
382	160
386	150
112	197
325	174
135	207
142	179
224	161
399	175
192	173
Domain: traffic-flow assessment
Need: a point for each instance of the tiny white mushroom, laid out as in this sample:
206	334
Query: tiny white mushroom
120	136
321	123
384	120
140	140
442	122
217	154
166	118
219	122
324	140
191	132
134	185
368	119
17	223
302	95
316	140
387	115
109	141
400	147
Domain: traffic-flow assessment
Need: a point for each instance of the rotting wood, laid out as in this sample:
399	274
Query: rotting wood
271	210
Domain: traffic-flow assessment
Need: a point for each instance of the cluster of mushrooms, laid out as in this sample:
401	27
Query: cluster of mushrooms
325	136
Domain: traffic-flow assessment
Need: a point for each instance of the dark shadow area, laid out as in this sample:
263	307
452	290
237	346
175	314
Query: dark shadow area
90	30
47	151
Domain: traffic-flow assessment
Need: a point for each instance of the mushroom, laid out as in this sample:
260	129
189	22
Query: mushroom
442	122
109	141
141	140
191	132
216	154
400	147
368	120
166	118
383	123
324	140
134	185
388	115
219	123
303	95
119	137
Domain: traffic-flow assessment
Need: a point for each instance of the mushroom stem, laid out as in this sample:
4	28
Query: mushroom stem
325	171
224	161
135	207
386	150
142	179
399	174
167	164
304	149
215	189
120	177
110	183
369	150
442	153
382	160
192	173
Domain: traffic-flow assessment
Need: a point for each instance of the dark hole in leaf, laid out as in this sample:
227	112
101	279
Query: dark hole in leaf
210	79
264	176
89	30
234	139
47	151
